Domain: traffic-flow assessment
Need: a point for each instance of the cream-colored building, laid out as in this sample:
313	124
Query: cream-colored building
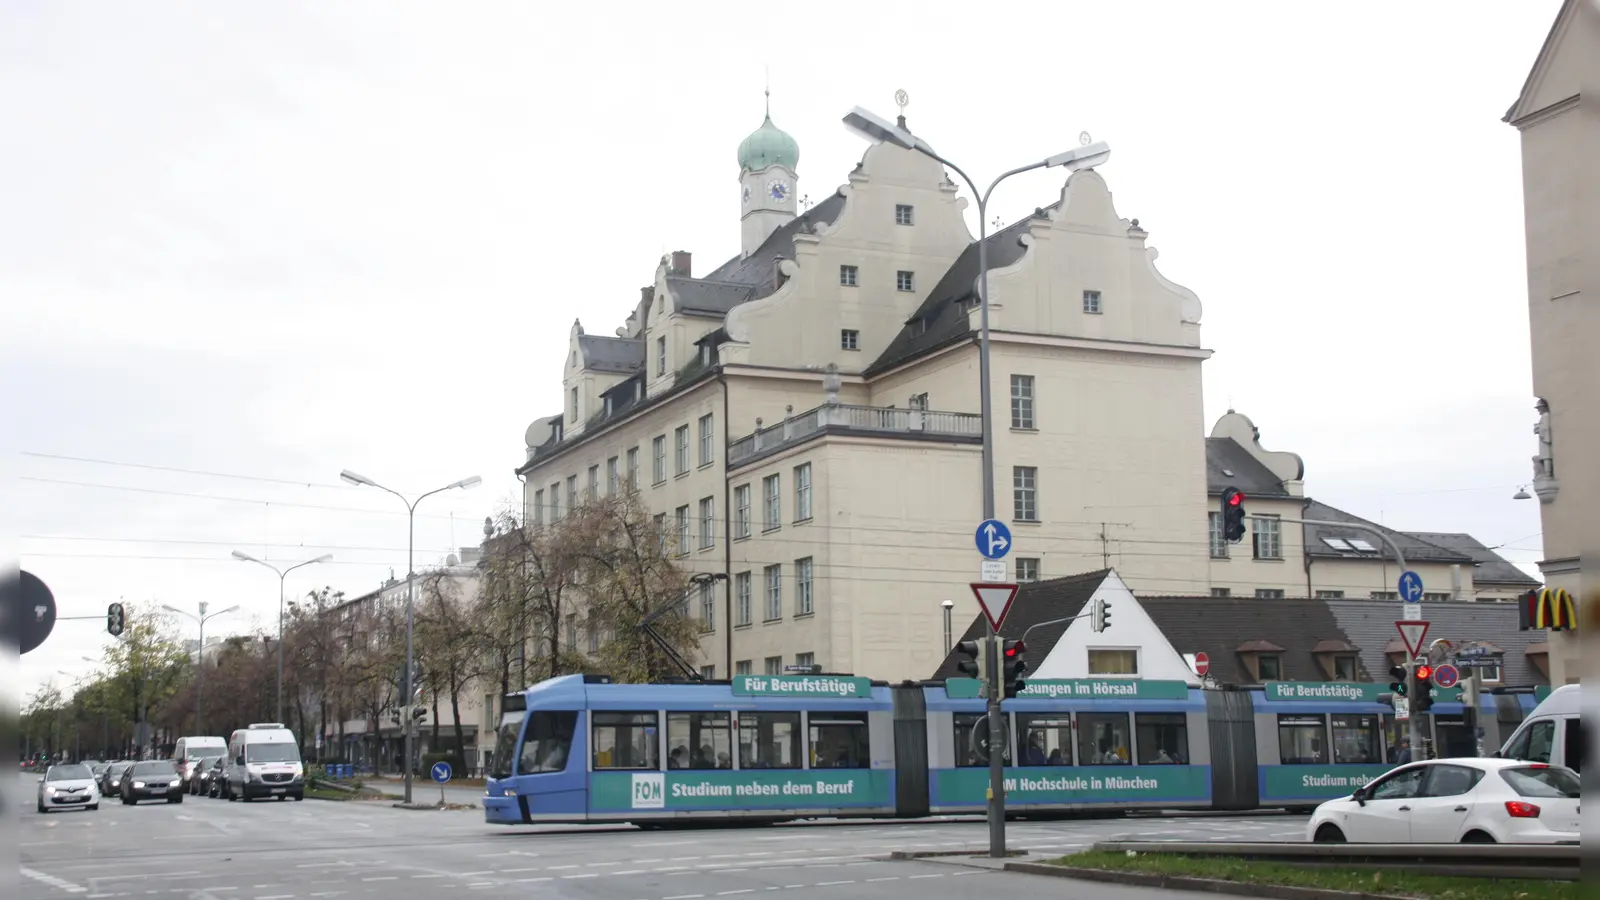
1559	122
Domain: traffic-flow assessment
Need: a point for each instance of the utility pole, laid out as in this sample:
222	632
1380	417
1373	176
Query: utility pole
997	747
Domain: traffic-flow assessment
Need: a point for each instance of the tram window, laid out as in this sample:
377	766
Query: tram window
1046	740
769	740
1355	739
545	746
699	740
1452	738
963	724
1163	738
625	740
1302	740
1103	739
839	741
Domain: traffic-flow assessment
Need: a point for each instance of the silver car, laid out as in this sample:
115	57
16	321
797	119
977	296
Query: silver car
67	786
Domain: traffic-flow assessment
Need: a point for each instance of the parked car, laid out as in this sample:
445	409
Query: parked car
68	786
200	771
1465	800
155	779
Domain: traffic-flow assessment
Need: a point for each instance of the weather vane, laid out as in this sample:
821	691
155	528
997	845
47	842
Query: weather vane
1083	138
902	100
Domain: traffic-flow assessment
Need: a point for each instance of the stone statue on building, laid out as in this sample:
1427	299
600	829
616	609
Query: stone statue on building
1544	464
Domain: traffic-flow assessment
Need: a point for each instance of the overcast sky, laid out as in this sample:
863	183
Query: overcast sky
246	245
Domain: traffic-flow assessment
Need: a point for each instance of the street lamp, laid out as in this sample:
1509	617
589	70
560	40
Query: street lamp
200	655
282	574
411	588
1087	156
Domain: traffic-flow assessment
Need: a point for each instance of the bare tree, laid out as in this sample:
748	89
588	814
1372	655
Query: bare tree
452	647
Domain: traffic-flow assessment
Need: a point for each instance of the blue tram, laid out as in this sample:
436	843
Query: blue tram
581	749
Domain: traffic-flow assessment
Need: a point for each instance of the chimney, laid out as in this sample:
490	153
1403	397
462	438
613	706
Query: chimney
647	294
681	263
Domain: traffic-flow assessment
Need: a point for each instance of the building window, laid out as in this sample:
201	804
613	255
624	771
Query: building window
902	214
1330	595
1269	593
708	433
708	607
743	667
802	492
574	404
594	483
1222	592
849	339
918	401
1266	537
633	467
592	632
1027	569
1219	543
772	665
802	587
555	501
1024	494
1269	667
709	673
682	524
572	492
905	281
1440	597
708	522
1113	662
849	276
774	577
661	356
538	507
741	512
772	503
1091	302
1383	595
572	632
658	459
681	445
661	530
613	475
741	599
1022	401
1488	674
809	660
1344	668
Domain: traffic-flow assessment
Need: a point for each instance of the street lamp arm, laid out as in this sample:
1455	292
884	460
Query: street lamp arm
1007	174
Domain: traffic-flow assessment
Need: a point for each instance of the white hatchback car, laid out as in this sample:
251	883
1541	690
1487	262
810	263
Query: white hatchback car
1447	801
66	786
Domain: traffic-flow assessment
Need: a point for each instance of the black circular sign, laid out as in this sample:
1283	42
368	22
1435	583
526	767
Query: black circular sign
29	611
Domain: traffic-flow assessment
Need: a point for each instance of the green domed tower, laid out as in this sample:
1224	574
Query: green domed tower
768	194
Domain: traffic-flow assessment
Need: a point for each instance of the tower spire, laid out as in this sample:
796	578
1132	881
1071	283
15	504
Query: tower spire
767	92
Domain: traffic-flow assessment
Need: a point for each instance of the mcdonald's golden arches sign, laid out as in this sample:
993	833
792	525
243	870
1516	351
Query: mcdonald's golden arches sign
1551	608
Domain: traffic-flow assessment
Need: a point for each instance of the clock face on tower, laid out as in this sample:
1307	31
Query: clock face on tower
777	190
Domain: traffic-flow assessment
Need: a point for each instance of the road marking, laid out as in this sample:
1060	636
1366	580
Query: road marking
214	890
683	859
320	865
326	894
819	884
532	880
471	874
658	859
602	865
515	871
934	875
684	897
890	878
53	881
968	872
580	875
628	872
559	868
480	884
739	891
382	878
277	897
430	875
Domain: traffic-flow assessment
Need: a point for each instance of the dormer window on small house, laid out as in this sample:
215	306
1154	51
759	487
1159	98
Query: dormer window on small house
574	404
919	325
1269	667
705	354
661	355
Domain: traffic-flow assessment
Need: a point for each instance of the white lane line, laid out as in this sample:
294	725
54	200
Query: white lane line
602	865
53	881
277	897
658	859
684	897
966	872
480	884
471	874
321	865
325	894
532	880
559	868
430	875
683	859
581	875
889	878
739	891
215	890
515	871
628	872
934	875
819	884
382	878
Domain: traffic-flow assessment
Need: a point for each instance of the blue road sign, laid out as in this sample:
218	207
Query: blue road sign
1410	587
440	772
1446	675
993	538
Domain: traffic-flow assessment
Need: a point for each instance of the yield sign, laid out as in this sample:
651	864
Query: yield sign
995	600
1411	634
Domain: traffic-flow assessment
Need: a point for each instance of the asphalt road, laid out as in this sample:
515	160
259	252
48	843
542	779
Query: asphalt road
214	850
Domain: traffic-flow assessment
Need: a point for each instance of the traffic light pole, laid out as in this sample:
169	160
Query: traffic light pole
1413	717
998	739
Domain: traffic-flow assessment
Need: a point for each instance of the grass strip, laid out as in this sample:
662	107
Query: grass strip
1385	882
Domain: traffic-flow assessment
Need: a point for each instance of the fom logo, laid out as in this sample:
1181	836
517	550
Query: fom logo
649	790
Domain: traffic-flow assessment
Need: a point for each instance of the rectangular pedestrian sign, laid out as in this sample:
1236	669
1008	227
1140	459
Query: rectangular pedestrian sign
1412	635
995	599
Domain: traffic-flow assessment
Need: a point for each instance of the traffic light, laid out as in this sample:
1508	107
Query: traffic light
1233	515
1014	666
116	620
418	714
1099	615
1397	682
970	661
1424	699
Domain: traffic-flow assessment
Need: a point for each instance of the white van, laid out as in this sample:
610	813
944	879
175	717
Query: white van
1553	733
191	749
264	761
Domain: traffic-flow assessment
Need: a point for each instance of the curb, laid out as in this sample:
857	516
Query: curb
946	854
1203	885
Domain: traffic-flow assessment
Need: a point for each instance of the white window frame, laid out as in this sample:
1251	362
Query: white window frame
1219	542
905	281
1138	662
658	459
613	477
682	523
633	467
1025	496
708	607
742	610
592	492
805	659
802	492
772	665
708	522
804	598
741	511
661	355
772	593
1022	403
680	450
905	214
849	276
1091	303
772	502
1266	537
849	339
708	436
1027	568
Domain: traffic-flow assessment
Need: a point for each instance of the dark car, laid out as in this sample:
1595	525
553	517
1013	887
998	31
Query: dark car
111	778
156	779
215	775
200	773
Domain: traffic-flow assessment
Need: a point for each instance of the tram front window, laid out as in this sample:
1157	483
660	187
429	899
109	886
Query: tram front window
545	746
505	744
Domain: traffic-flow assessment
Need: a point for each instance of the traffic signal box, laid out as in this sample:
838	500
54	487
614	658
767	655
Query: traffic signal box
1233	515
1424	699
1014	667
970	659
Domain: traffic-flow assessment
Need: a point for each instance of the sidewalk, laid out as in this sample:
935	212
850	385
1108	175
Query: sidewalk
423	790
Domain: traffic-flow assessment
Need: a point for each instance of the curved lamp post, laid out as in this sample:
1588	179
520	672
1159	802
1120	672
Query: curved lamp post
200	654
282	574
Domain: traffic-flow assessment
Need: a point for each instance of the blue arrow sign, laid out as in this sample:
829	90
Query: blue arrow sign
993	539
1410	587
440	772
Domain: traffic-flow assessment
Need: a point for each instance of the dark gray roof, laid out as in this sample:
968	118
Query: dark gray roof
611	354
1038	601
758	269
1413	547
704	297
942	317
1489	568
1217	626
1371	627
1224	456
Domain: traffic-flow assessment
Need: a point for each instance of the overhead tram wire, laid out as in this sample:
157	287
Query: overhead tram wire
223	499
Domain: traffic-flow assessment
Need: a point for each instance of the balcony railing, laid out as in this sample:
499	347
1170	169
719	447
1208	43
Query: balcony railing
870	421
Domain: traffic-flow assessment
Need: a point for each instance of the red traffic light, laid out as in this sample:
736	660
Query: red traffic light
1013	648
1236	498
1424	673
